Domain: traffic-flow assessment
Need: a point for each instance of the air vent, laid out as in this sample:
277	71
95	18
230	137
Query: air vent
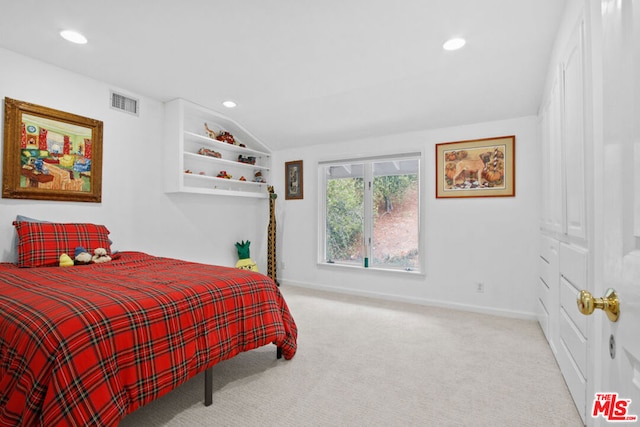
124	103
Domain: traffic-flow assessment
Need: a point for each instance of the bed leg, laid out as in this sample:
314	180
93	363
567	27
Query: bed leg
279	353
208	387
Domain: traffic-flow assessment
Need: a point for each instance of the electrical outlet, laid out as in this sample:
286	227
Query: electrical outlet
480	287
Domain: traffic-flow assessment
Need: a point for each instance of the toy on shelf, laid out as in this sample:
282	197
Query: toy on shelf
242	178
223	135
224	174
209	153
257	177
249	159
244	258
188	171
210	132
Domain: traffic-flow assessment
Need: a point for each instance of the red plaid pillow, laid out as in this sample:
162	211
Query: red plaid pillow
41	244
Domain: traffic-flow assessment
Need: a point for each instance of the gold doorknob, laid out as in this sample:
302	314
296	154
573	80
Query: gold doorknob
609	303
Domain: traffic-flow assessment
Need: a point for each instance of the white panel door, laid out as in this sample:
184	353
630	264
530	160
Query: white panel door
618	344
551	136
574	142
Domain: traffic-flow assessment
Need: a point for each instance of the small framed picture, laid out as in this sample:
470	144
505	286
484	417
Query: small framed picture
293	180
476	168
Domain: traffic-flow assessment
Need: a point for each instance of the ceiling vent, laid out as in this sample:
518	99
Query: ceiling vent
124	103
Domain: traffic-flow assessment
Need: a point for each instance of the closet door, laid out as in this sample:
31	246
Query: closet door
575	247
565	241
552	175
574	137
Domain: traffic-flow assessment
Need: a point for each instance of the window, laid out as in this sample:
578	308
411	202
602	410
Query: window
371	212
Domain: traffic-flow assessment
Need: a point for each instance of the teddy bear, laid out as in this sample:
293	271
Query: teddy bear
100	255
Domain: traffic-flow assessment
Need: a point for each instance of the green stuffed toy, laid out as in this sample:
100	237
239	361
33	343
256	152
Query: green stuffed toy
244	259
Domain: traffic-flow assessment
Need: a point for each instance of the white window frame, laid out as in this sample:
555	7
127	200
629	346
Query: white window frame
368	203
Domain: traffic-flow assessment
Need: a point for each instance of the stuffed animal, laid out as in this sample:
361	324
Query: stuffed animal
244	260
210	132
82	257
65	261
100	255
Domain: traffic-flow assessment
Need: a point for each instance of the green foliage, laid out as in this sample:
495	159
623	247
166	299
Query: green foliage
390	189
345	210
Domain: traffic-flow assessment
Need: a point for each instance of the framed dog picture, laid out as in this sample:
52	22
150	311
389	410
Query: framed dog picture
293	180
50	154
476	168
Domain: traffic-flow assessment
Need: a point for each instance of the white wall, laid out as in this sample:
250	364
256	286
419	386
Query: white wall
492	240
488	240
134	207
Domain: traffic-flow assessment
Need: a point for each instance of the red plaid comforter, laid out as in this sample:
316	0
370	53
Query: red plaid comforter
87	345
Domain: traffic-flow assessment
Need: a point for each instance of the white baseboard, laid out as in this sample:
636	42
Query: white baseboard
413	300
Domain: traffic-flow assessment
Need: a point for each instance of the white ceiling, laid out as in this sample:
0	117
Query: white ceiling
305	71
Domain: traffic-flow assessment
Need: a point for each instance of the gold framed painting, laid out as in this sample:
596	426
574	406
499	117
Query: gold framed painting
50	154
476	168
293	180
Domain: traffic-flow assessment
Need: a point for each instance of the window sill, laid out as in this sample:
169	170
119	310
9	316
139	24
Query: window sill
354	267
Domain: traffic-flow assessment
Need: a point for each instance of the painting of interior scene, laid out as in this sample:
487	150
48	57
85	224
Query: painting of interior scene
54	155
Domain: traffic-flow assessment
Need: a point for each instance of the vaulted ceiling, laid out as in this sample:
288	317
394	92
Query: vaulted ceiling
305	71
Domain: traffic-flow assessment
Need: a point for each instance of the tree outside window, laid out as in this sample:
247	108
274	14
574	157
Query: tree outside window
372	213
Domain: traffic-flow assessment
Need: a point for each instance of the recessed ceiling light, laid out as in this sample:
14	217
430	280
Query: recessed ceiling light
454	44
229	104
73	36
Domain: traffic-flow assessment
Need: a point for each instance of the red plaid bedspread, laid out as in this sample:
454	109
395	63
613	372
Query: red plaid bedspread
87	345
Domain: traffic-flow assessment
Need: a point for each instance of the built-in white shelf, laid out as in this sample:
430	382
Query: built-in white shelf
186	171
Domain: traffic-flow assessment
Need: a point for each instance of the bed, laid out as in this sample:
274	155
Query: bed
89	344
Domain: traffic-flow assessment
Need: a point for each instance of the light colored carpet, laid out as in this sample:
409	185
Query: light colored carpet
364	362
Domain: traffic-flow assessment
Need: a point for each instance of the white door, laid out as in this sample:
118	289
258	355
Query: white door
617	346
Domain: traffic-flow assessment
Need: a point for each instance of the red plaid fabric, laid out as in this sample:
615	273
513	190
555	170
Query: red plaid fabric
41	243
86	345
